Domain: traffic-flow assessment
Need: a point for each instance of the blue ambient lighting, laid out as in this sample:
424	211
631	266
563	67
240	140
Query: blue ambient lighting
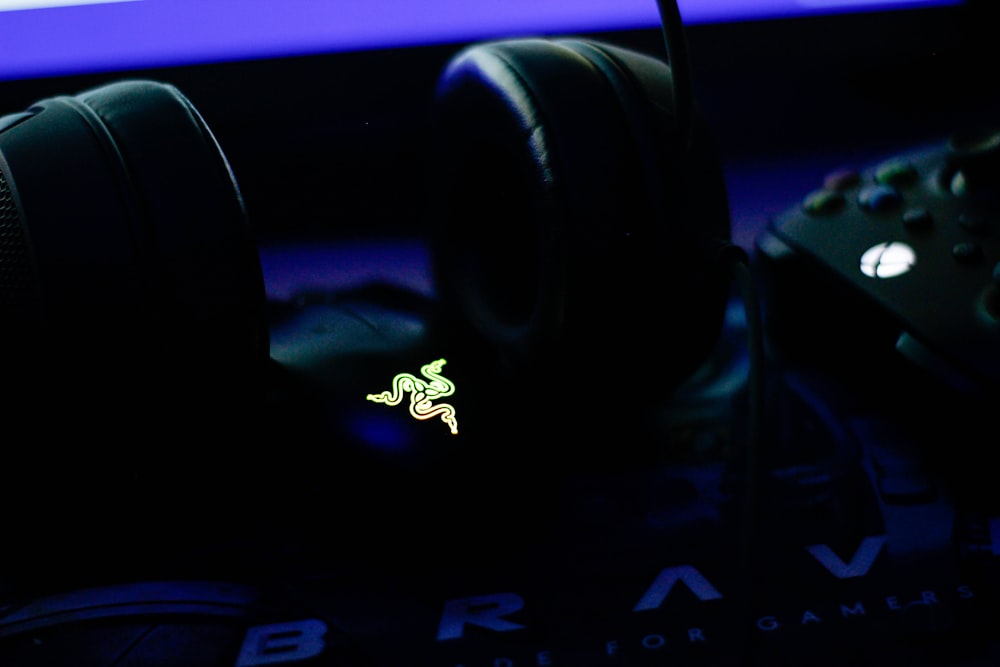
54	37
387	434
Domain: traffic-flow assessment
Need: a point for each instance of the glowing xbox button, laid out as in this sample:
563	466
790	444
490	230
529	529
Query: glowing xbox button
888	260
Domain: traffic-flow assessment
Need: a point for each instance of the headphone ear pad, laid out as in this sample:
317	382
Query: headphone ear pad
564	232
136	245
207	285
135	339
139	270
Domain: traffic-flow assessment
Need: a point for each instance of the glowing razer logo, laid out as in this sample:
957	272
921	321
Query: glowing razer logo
423	393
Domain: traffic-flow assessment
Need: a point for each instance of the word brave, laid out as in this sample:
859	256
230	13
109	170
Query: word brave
490	611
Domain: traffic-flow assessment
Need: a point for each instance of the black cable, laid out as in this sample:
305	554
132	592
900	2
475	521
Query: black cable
679	61
737	264
755	402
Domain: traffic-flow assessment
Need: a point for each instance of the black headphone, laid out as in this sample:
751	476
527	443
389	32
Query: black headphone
133	329
581	221
140	264
581	249
582	224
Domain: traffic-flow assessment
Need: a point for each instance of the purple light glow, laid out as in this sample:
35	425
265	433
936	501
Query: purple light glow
152	33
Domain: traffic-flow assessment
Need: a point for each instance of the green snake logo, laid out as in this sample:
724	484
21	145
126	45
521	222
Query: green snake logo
423	393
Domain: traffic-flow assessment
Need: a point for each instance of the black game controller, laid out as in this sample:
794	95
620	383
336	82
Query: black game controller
903	255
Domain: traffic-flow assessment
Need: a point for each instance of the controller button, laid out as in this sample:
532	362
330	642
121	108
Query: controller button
888	260
895	172
822	201
974	160
917	218
842	179
972	222
989	302
975	143
879	198
967	252
957	184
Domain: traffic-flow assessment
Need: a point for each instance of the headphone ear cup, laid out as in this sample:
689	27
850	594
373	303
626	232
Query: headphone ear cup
137	265
204	281
576	234
134	309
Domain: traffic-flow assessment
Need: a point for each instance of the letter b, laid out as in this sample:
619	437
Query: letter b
282	642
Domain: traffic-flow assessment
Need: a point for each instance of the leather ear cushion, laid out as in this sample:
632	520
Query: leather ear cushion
206	275
137	357
559	210
147	276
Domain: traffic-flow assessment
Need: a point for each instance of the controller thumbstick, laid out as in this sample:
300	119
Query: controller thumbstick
973	162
